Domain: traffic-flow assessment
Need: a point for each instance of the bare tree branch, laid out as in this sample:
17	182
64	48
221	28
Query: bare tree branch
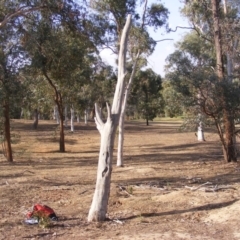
21	11
166	39
171	30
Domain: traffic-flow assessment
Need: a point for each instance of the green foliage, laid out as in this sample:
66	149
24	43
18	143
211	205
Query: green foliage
146	94
191	74
172	100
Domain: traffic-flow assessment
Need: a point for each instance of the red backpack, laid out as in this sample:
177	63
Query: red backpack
41	211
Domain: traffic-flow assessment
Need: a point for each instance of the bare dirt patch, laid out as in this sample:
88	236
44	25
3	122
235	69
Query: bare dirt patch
171	187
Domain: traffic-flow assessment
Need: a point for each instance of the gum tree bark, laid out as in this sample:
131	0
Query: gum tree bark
229	148
107	131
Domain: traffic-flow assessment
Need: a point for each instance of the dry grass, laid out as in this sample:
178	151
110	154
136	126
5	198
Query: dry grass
148	196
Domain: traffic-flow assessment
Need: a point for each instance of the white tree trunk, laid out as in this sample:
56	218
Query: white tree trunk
72	119
86	116
78	118
56	114
107	131
66	115
200	134
122	115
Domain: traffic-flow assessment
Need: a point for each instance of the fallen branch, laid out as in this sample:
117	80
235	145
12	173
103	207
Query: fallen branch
210	188
196	188
118	221
123	189
217	188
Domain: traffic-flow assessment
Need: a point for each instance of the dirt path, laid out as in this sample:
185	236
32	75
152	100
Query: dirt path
172	187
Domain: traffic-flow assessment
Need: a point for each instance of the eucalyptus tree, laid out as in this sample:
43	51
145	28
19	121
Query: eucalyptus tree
222	31
141	44
37	95
191	70
12	59
58	48
171	100
12	16
146	94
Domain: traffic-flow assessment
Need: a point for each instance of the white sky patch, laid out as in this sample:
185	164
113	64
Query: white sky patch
108	57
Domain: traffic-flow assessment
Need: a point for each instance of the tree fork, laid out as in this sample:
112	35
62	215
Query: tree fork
98	209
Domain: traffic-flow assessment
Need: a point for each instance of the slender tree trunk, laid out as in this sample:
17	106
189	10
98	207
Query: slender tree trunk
147	111
56	114
66	115
72	119
107	131
120	141
86	116
35	119
122	115
58	101
60	110
7	134
78	117
200	134
229	146
93	113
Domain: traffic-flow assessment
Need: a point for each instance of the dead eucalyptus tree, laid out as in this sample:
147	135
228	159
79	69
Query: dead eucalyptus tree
107	131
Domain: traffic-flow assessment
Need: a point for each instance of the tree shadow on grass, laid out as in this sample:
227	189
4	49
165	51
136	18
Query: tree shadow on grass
174	212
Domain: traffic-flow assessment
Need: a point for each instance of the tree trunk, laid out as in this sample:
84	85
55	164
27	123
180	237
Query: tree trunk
7	134
72	119
60	110
35	119
86	116
107	131
230	65
58	101
66	115
122	115
56	114
78	117
200	134
229	146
